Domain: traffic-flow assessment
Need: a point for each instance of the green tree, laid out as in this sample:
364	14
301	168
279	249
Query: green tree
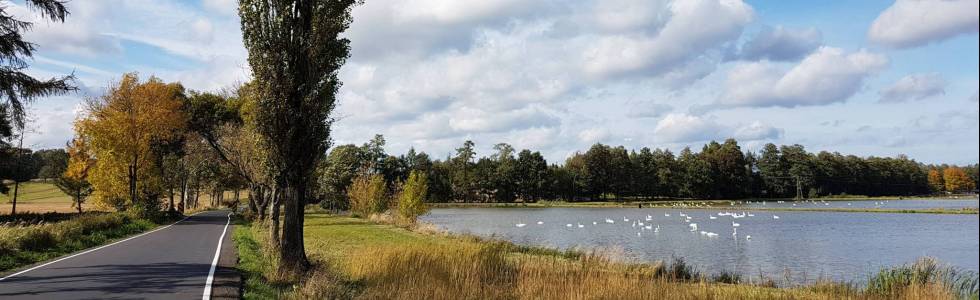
463	176
17	88
531	175
295	51
411	200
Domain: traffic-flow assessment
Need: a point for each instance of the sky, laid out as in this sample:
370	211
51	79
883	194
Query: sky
878	78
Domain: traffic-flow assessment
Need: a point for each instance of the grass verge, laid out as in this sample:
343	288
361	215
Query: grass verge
37	238
361	259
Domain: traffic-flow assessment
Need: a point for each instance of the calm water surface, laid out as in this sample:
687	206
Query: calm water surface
799	245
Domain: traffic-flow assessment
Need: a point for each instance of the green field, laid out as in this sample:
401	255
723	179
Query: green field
37	197
36	192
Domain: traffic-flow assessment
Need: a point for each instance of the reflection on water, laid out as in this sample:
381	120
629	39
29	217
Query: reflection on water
836	245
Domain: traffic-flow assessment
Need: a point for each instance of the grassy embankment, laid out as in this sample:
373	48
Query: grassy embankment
33	238
356	258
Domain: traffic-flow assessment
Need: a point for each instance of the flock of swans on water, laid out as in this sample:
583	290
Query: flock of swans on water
646	224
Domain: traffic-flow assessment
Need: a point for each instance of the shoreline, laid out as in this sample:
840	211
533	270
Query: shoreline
711	204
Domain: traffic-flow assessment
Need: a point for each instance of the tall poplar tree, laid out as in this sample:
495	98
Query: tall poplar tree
295	52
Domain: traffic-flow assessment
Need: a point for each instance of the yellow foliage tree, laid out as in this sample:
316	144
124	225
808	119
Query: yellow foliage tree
74	181
123	127
936	181
957	181
367	195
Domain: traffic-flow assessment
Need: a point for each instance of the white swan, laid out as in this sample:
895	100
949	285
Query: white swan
735	224
775	217
519	225
540	223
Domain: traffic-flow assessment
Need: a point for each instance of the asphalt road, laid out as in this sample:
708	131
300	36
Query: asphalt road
172	262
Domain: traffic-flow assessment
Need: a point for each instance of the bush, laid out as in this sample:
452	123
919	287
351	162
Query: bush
37	238
411	200
727	277
678	270
367	195
924	273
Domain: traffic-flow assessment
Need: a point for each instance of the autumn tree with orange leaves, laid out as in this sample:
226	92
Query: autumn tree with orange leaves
124	129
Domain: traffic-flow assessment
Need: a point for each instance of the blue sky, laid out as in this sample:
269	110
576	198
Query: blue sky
859	77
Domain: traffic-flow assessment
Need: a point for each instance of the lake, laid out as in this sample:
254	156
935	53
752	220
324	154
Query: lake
799	246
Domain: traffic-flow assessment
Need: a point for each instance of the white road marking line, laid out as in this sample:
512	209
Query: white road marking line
96	249
214	263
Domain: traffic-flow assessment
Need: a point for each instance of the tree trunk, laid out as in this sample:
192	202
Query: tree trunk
183	194
252	208
292	255
197	196
132	183
274	218
13	207
264	200
172	208
78	201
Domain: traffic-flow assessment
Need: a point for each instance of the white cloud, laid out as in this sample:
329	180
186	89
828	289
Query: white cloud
757	131
914	87
910	23
781	44
684	36
649	110
621	15
78	35
679	128
826	76
227	7
593	135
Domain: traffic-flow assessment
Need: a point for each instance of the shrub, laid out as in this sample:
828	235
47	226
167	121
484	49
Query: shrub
924	273
35	238
367	195
678	270
411	200
726	276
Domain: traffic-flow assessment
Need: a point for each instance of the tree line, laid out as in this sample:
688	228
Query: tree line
717	171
